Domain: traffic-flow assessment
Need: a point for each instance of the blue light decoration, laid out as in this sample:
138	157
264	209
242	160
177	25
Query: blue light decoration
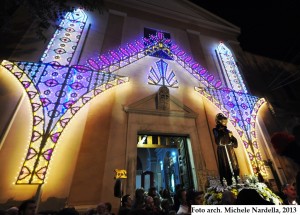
56	94
241	110
232	73
154	36
62	46
161	76
240	107
140	48
57	91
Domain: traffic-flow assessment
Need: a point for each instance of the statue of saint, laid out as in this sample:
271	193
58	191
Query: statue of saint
227	161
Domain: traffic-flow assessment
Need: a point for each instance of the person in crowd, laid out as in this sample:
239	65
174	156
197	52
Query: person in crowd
289	146
165	207
193	198
139	201
101	208
183	208
290	195
126	204
91	211
157	205
138	211
228	198
176	205
166	194
12	211
27	207
68	211
250	197
149	205
108	208
152	192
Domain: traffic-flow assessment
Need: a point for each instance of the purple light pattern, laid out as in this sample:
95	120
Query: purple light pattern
131	52
241	109
239	105
61	86
56	93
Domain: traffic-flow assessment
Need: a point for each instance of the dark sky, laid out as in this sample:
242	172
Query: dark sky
271	30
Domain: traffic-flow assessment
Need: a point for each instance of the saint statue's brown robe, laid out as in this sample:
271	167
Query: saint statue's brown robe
222	138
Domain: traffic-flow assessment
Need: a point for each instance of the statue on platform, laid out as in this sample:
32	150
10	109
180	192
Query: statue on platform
227	161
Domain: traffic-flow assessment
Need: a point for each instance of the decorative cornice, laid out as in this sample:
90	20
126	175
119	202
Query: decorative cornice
186	111
181	17
160	112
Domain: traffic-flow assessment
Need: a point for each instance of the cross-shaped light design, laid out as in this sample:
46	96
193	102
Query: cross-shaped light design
58	90
241	107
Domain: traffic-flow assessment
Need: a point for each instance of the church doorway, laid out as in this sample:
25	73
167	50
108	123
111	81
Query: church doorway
163	161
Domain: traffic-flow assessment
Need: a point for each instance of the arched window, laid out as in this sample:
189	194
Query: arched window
231	72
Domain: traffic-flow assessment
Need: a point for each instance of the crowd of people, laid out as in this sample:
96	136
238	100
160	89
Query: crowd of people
160	203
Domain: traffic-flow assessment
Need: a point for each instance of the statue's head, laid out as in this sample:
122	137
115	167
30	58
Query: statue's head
221	119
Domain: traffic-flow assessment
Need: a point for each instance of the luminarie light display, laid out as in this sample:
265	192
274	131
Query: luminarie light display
239	106
64	42
161	76
58	90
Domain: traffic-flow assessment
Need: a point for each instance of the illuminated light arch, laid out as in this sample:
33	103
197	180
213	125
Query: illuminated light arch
46	153
73	86
236	104
54	100
244	126
242	106
254	142
36	107
61	87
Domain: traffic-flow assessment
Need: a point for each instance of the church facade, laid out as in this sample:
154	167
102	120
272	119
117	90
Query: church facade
136	88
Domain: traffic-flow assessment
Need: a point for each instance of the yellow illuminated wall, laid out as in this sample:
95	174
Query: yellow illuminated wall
16	140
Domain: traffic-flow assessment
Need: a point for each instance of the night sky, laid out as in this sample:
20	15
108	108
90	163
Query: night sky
271	30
